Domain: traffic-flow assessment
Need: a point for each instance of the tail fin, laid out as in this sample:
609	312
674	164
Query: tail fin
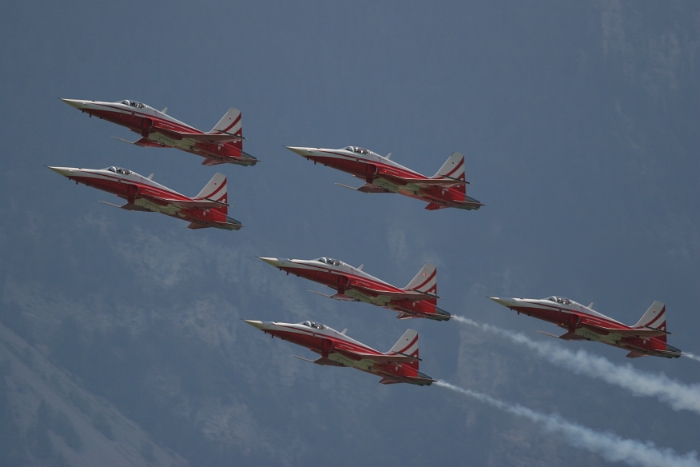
454	168
230	123
425	280
216	190
408	345
655	317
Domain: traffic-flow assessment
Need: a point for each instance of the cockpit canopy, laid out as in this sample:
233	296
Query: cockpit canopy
311	324
119	170
358	150
138	105
561	300
331	261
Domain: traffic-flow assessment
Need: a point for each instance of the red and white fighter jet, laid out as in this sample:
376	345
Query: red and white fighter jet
446	189
417	300
208	209
398	365
647	337
223	144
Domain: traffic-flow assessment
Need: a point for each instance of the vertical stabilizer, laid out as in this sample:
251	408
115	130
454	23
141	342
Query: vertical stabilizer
454	168
655	317
216	190
425	280
407	345
231	123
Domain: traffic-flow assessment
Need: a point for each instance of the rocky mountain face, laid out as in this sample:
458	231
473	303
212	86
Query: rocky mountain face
49	419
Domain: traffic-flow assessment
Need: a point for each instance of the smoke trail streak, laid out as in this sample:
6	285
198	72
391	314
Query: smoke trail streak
678	395
690	356
609	445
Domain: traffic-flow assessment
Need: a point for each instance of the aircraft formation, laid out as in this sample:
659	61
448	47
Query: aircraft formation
446	189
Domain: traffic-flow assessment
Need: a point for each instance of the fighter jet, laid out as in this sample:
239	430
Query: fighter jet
399	365
208	209
417	300
223	144
446	189
647	337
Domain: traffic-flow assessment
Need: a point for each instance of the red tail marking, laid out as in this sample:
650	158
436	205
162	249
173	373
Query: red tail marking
409	345
217	190
663	311
238	119
461	163
427	280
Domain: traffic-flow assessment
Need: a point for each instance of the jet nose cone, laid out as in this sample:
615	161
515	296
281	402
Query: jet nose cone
77	103
503	301
276	262
65	171
255	324
304	152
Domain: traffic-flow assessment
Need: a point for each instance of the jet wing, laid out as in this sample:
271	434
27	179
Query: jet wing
410	295
188	204
198	137
443	182
649	332
378	358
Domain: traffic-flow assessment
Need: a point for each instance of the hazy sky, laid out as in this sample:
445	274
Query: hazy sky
579	123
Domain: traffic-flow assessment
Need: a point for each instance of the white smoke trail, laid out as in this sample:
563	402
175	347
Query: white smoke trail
678	395
691	356
609	445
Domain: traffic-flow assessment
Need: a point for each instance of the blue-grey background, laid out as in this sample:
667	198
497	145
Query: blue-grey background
580	126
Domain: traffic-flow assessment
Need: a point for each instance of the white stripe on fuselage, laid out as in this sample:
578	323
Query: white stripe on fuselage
346	269
148	111
374	157
567	308
132	177
327	331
